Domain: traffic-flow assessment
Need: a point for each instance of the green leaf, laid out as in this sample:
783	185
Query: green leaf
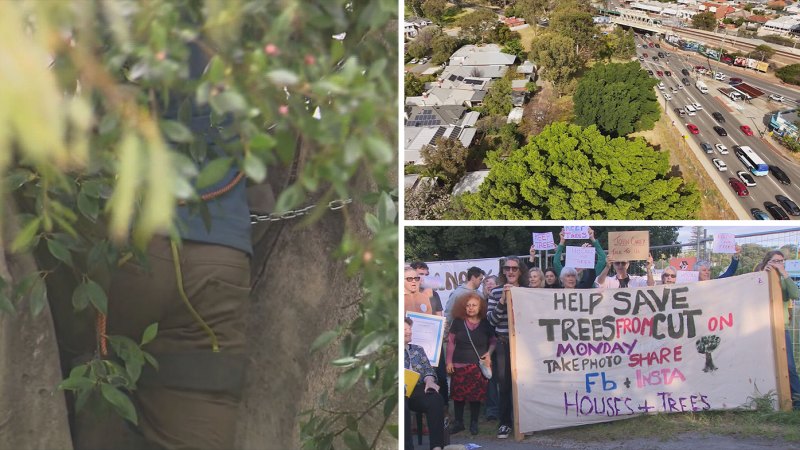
388	405
254	168
372	222
213	172
88	206
76	384
149	333
289	198
348	378
355	441
228	102
261	142
5	302
97	296
92	188
176	131
323	339
387	209
26	235
60	252
393	430
370	343
283	77
352	423
121	403
38	296
150	360
346	361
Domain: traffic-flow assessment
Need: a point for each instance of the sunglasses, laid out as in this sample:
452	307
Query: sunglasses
510	269
409	279
669	275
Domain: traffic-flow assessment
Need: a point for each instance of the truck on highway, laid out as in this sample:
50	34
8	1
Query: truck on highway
701	87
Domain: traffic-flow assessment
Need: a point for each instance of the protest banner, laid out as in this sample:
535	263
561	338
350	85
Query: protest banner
683	263
597	355
580	257
543	241
576	232
454	273
724	243
628	245
427	332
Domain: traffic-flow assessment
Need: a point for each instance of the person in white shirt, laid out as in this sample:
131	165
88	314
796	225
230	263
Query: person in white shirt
621	277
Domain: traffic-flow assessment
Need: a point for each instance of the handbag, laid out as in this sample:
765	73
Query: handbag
485	370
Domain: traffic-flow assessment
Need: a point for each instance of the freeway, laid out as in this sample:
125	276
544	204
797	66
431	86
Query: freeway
755	115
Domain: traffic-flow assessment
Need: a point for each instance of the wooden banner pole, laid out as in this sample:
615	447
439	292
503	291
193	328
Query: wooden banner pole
779	341
518	436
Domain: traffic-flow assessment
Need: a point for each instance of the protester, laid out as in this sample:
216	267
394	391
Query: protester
569	278
471	340
586	277
514	273
490	283
415	301
536	277
704	267
425	396
669	275
774	261
621	277
474	279
551	279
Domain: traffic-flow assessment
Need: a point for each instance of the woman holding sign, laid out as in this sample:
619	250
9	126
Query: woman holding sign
704	267
424	396
586	276
470	342
774	261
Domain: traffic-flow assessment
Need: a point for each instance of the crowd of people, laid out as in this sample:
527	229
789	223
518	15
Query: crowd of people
477	331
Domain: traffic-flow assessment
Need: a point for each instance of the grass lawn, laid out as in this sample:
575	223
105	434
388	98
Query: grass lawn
526	37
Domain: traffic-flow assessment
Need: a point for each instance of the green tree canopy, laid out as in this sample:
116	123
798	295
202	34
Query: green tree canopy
414	86
763	52
578	25
434	9
619	44
571	172
705	21
556	55
443	47
498	100
514	47
447	160
618	98
789	74
477	26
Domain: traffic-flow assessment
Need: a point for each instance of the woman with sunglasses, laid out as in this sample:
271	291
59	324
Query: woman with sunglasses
703	267
669	275
514	273
415	301
774	261
621	279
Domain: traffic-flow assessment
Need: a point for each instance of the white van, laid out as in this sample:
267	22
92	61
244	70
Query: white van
690	110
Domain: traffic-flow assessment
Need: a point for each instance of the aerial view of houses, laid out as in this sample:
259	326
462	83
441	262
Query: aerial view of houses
611	110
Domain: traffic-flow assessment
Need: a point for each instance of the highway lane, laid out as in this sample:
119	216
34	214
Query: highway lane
767	187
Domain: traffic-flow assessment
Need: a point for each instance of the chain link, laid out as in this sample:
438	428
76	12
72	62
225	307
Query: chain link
333	205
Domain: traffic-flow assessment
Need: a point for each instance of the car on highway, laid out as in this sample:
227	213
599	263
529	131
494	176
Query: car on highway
692	128
718	117
641	58
659	73
660	54
789	205
779	175
696	105
685	72
680	86
668	73
661	86
644	54
720	164
667	97
685	81
746	178
680	112
721	149
746	130
739	187
776	98
759	214
734	81
650	72
657	46
655	58
650	44
720	131
775	211
706	147
674	90
719	76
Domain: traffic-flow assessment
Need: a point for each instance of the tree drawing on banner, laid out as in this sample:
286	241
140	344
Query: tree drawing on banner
706	345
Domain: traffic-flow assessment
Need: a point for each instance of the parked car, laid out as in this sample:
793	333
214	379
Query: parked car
692	128
789	205
776	98
661	86
739	187
719	76
413	61
721	149
720	131
718	117
706	147
775	211
680	86
746	178
746	130
759	214
720	164
779	175
641	58
726	59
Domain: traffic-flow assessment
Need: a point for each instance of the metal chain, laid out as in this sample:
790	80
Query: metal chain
333	205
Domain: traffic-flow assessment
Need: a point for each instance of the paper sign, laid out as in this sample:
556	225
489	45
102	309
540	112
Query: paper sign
792	266
686	263
687	276
543	241
580	257
724	243
576	232
628	245
427	332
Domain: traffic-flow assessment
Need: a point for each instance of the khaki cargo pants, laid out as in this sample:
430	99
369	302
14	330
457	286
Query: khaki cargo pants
192	401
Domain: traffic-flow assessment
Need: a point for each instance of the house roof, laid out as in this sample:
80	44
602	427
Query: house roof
519	85
470	119
757	19
417	137
515	116
418	116
486	55
526	67
454	81
470	182
470	49
469	71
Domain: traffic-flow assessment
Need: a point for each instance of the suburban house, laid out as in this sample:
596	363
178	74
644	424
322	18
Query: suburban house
412	26
424	125
783	26
784	123
418	137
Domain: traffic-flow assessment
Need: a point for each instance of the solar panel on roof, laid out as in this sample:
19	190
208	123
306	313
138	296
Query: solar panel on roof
452	78
439	133
456	131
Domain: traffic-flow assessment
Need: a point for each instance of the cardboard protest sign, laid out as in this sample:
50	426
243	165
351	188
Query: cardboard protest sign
576	232
724	243
596	355
628	245
580	257
543	241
